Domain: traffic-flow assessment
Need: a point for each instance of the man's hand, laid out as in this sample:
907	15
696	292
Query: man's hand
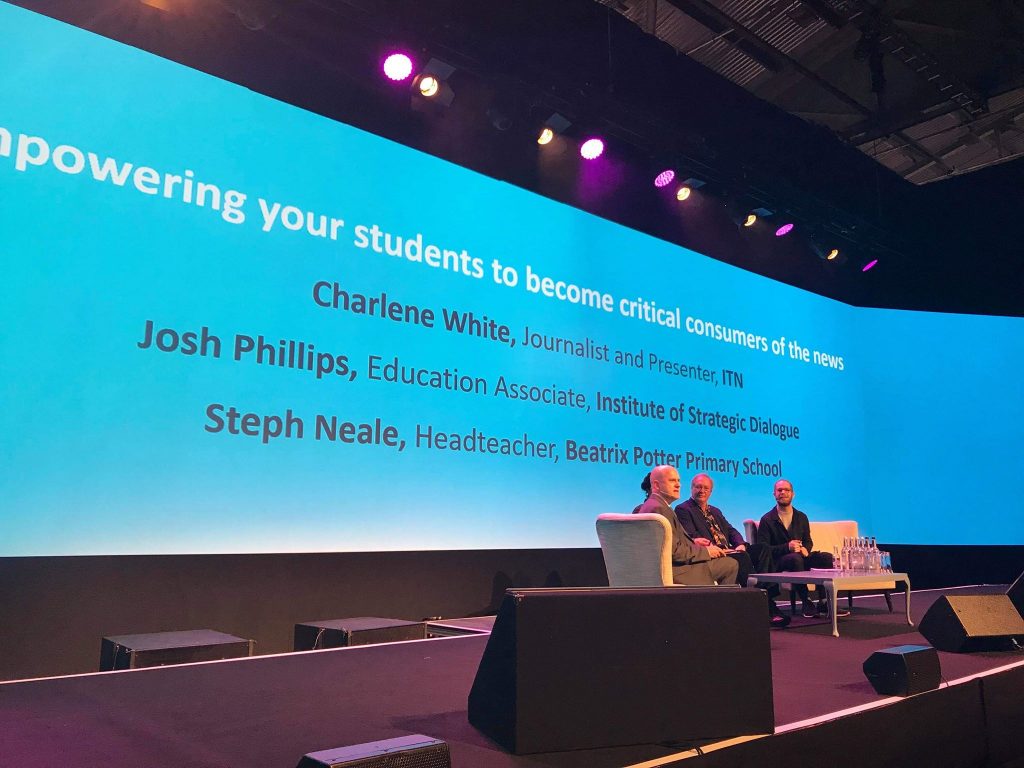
702	542
795	545
715	551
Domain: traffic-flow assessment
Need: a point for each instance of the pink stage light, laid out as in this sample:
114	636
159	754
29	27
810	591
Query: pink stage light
784	230
397	67
592	149
869	265
664	178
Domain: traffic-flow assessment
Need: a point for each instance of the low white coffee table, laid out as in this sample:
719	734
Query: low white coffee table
832	581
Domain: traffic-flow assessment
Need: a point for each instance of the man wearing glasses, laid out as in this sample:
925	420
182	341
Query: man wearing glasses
786	532
706	525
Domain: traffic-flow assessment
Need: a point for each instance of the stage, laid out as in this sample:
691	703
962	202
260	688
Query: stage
266	712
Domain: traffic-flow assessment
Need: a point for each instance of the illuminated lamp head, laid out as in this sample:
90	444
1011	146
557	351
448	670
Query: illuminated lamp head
397	67
591	149
429	86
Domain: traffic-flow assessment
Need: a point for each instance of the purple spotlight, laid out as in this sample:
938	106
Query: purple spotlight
869	265
784	230
664	178
397	67
591	149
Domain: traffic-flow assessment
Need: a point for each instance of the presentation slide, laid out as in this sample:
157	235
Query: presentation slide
230	325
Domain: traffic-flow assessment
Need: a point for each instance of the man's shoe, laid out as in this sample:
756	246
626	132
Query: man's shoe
809	611
823	610
776	618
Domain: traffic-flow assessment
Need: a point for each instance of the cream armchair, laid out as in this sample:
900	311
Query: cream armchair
637	550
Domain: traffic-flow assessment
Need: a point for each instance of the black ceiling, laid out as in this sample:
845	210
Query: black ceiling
928	88
946	246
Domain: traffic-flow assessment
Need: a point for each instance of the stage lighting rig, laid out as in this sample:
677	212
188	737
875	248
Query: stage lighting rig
829	252
745	216
592	148
397	66
743	219
431	85
553	126
688	187
664	178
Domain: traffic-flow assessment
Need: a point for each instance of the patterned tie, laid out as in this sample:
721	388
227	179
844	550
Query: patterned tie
716	531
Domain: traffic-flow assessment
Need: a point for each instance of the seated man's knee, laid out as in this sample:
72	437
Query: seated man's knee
820	560
761	557
743	560
728	569
794	561
697	574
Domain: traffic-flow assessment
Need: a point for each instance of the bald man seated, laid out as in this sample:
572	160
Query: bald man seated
691	564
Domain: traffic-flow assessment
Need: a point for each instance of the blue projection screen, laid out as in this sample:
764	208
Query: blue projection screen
233	326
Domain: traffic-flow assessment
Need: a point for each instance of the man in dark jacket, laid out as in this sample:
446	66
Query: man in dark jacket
786	532
705	524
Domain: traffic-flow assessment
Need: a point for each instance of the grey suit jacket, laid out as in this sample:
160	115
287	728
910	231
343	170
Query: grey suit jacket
684	551
691	564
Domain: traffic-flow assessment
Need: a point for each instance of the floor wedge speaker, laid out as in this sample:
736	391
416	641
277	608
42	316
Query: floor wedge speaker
904	670
364	630
965	623
157	649
587	668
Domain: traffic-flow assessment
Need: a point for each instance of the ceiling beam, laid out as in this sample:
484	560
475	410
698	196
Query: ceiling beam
742	38
826	12
699	10
893	40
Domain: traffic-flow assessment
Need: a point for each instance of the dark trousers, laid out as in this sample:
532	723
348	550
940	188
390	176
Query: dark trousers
757	559
794	561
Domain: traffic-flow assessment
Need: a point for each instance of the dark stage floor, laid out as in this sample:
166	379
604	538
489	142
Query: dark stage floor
266	712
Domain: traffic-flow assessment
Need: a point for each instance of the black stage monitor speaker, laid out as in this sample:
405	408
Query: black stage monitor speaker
904	670
964	623
1016	594
587	668
362	630
415	751
156	649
